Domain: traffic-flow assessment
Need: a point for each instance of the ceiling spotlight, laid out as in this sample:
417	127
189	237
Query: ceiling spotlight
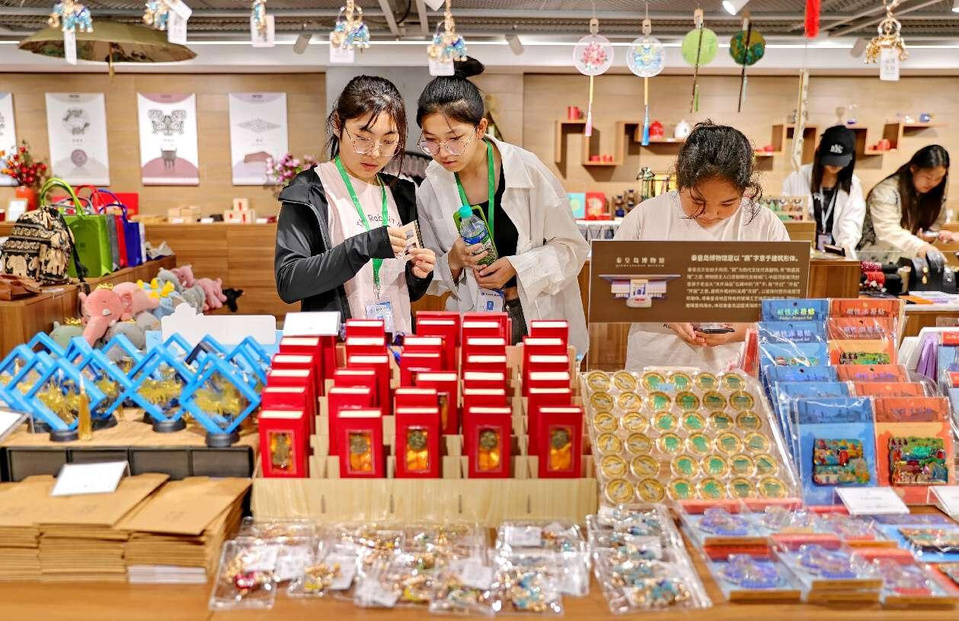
517	46
302	42
860	46
734	6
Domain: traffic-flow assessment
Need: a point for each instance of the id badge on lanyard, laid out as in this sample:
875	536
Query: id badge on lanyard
382	310
490	301
822	213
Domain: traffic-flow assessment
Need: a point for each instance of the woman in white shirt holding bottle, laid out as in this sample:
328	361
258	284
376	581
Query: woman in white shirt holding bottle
837	204
540	249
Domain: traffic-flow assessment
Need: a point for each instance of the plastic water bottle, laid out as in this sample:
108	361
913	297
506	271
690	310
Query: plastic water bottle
474	231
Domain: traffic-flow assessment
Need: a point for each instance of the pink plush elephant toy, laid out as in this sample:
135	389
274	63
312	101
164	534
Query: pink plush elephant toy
184	274
135	300
101	309
214	293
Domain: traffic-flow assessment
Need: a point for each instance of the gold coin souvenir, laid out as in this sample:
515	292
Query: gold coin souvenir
756	443
605	422
733	382
685	466
651	490
634	422
639	444
741	401
629	401
720	421
664	421
681	489
771	487
609	444
714	402
687	401
693	421
653	381
659	401
680	381
619	491
715	466
741	487
749	421
601	402
624	381
670	443
712	489
707	381
613	466
597	380
728	443
742	465
698	444
644	466
766	465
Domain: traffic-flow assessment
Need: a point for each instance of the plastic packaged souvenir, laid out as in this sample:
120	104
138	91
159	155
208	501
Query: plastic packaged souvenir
451	540
872	373
465	587
783	354
527	588
753	577
795	310
931	543
788	393
245	576
826	569
404	579
329	573
905	583
277	529
819	373
862	352
854	530
791	332
720	523
559	536
634	585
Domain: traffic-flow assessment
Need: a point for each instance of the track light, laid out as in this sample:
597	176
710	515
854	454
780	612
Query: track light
734	6
517	46
860	46
302	42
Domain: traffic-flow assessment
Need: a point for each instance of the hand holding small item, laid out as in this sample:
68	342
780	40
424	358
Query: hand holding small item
496	275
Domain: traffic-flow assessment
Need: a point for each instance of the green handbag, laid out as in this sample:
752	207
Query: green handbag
90	234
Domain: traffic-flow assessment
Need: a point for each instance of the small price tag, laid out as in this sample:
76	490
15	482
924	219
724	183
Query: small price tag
524	536
947	497
476	575
9	421
439	68
342	55
176	30
266	38
872	501
70	46
180	9
889	65
311	324
101	478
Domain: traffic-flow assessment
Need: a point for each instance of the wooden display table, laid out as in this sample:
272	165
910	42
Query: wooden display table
22	319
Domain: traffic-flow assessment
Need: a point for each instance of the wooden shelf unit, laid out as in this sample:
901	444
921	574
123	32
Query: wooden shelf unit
782	133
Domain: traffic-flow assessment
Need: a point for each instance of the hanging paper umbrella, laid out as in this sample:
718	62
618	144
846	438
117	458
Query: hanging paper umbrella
646	58
593	56
699	49
746	47
447	46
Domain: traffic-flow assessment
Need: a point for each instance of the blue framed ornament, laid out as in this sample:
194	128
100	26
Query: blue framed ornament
17	375
220	401
97	369
60	398
156	385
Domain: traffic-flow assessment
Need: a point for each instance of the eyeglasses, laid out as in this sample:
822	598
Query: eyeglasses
453	146
366	146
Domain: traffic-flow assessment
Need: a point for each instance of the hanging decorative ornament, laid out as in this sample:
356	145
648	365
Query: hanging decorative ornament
447	47
813	9
646	58
802	114
350	30
71	16
258	9
157	14
888	37
699	49
593	56
746	47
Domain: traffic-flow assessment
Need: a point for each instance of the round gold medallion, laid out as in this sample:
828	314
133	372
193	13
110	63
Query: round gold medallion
653	381
644	466
681	489
712	489
720	421
693	421
605	422
741	401
771	487
741	487
687	401
756	443
685	466
728	443
639	444
597	380
742	465
634	422
706	381
748	421
651	490
629	401
609	444
613	466
698	444
715	465
659	401
766	465
733	382
670	443
625	381
714	402
619	491
680	381
664	421
601	402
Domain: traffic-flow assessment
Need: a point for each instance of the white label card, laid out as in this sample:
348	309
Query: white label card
180	9
70	46
342	55
102	478
176	30
311	324
266	38
947	497
439	68
476	575
524	536
9	421
889	65
436	5
872	501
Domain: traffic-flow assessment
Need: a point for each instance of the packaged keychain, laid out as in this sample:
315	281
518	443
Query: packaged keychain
465	587
795	310
245	577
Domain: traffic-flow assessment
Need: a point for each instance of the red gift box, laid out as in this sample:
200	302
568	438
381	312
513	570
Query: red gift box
481	328
423	343
416	398
364	346
361	436
309	346
548	379
479	379
447	390
287	398
488	436
357	377
484	398
413	362
366	328
538	399
446	328
303	379
345	398
539	347
284	443
500	318
441	316
381	366
546	364
417	442
486	364
484	346
550	329
560	439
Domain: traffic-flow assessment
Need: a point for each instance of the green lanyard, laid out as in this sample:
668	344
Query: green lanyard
377	263
490	213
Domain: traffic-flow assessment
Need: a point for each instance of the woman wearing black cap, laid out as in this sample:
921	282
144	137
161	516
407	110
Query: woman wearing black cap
907	208
837	202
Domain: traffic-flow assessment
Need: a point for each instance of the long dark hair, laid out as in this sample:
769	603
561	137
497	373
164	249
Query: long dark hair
455	97
365	95
843	178
921	212
718	151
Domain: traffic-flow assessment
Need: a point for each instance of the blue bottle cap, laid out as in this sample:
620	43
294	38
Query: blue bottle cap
466	211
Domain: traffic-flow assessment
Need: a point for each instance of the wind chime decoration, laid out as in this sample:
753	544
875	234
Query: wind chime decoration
646	58
746	47
71	16
447	46
888	37
350	30
157	14
593	56
258	12
699	49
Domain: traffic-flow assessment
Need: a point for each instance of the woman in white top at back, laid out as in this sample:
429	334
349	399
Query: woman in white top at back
714	173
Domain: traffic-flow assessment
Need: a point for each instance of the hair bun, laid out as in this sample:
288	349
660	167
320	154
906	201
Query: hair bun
465	69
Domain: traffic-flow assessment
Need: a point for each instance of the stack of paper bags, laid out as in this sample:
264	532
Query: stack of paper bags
176	536
79	541
19	534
